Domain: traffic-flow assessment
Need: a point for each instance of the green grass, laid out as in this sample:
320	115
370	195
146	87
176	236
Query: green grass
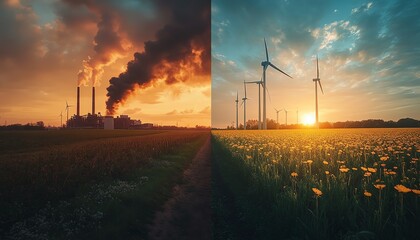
255	192
12	142
100	188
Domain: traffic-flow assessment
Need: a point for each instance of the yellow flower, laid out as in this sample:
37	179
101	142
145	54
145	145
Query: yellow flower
317	192
384	158
294	174
325	162
372	170
354	169
344	170
363	168
309	161
379	186
327	172
416	191
367	174
367	194
402	189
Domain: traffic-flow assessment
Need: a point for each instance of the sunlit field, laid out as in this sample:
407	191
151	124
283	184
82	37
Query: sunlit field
89	184
318	184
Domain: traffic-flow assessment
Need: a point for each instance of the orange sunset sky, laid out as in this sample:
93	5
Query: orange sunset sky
46	44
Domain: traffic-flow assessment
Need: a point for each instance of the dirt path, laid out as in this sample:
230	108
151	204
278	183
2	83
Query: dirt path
187	215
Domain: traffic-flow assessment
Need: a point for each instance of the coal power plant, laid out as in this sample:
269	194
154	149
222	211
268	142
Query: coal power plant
96	120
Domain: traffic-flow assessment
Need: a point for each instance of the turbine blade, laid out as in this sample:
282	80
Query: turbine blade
317	68
319	81
245	88
266	51
242	103
272	65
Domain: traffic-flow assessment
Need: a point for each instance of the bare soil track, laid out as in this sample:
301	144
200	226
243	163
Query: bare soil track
187	214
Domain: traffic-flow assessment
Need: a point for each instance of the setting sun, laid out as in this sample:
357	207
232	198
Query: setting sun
308	119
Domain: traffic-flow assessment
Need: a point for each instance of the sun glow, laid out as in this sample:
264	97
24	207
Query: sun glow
308	119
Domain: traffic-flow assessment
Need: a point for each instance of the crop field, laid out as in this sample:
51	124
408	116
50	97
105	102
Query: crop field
89	184
317	184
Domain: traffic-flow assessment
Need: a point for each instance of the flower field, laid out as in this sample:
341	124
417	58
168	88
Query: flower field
89	184
322	184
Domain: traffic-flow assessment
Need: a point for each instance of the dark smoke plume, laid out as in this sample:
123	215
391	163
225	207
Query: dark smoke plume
180	52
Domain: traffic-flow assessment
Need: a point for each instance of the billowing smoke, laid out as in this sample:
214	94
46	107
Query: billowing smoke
108	45
180	52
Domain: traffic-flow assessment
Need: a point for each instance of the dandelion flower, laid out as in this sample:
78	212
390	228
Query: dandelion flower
309	161
402	189
367	194
379	186
367	174
325	162
317	192
344	170
364	168
327	172
354	169
294	174
384	158
372	170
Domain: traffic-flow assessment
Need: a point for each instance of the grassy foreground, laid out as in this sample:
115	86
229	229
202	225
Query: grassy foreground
106	188
309	184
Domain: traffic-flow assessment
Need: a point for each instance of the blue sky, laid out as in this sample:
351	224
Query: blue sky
369	56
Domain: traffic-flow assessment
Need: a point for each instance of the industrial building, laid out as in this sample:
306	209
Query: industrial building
96	120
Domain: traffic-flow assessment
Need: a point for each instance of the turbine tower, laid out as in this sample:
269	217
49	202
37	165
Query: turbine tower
237	101
317	80
67	110
265	65
277	112
244	103
259	101
286	115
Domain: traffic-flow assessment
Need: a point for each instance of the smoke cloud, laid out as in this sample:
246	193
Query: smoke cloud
179	53
108	46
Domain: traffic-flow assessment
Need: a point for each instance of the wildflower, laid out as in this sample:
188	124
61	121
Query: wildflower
416	191
344	170
354	169
402	189
372	170
327	172
367	194
367	174
364	168
294	174
325	162
317	192
384	158
379	186
309	161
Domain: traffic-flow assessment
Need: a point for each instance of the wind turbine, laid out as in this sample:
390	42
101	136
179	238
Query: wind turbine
67	109
265	65
236	101
286	115
277	112
317	80
259	101
244	103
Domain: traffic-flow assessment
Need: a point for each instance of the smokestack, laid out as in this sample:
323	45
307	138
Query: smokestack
78	101
93	100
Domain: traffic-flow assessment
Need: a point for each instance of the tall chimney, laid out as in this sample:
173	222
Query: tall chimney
93	100
78	101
